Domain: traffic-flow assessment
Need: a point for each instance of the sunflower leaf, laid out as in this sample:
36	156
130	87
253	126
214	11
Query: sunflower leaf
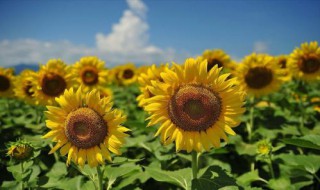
308	141
181	178
214	178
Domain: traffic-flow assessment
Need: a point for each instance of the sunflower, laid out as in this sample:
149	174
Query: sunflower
282	61
23	86
152	74
195	106
259	74
50	82
126	74
216	57
90	73
85	127
6	80
106	92
304	62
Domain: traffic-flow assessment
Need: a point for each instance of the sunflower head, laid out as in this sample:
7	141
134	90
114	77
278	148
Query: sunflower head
6	82
85	127
90	73
126	74
259	74
23	86
304	62
216	57
145	79
20	150
50	81
194	106
264	147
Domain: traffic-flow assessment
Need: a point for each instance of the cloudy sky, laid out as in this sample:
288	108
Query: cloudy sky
151	31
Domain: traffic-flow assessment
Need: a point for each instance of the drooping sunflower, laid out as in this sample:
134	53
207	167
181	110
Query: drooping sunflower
126	74
50	81
195	107
90	73
304	62
152	74
259	74
6	82
85	127
23	86
216	57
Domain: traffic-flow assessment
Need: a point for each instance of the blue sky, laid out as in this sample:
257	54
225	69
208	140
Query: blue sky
151	31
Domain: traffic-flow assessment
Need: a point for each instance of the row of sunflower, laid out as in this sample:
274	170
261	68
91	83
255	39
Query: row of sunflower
194	106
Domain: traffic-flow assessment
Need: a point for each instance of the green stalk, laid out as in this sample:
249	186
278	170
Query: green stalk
99	177
194	164
301	126
270	167
22	172
251	119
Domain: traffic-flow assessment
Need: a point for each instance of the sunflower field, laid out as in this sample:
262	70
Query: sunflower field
206	123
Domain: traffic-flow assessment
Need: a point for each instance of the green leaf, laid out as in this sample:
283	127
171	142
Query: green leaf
213	178
280	184
181	178
58	170
112	173
246	178
11	185
71	184
308	141
309	163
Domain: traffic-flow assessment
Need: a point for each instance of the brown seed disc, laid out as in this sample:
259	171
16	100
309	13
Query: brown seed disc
27	89
212	63
258	77
283	63
53	84
127	74
309	65
90	76
85	128
194	108
4	83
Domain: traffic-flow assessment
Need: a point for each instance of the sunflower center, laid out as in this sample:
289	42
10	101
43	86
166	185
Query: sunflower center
309	65
85	128
194	108
258	77
128	74
283	63
4	83
212	63
53	84
27	89
90	76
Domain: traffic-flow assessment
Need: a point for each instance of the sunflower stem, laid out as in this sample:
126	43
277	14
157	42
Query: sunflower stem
22	171
194	164
99	178
270	167
301	126
251	119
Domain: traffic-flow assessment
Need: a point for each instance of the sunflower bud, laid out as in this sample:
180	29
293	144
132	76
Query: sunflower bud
264	147
20	150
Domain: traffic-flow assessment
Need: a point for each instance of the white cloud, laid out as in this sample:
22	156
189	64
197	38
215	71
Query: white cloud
128	41
260	47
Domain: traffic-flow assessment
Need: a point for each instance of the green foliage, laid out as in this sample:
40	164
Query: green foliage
147	164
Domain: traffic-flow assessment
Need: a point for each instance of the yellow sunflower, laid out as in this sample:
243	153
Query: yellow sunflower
127	74
152	74
50	82
216	57
282	61
195	107
259	74
6	82
106	92
85	127
304	62
23	86
90	73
